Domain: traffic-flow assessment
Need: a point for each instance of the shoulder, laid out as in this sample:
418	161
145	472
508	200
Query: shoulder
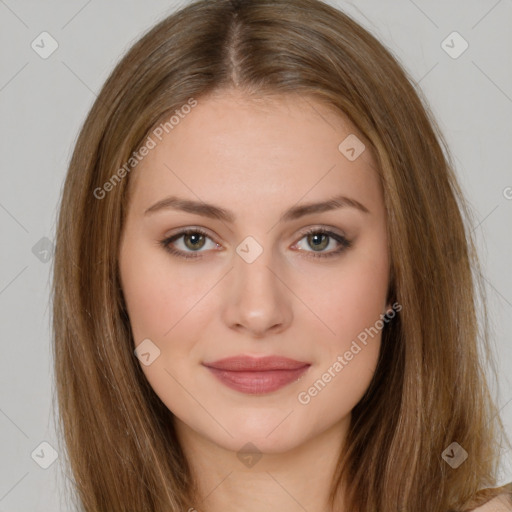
501	503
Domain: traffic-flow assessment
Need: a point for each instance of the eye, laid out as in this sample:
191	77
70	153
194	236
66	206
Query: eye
320	238
193	239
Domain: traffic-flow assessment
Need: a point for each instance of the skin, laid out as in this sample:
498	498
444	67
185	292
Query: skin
257	159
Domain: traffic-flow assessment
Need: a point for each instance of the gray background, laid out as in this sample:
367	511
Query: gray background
44	101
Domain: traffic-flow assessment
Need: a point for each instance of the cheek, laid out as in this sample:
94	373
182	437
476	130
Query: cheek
351	305
349	298
158	296
362	296
147	299
339	383
347	359
163	305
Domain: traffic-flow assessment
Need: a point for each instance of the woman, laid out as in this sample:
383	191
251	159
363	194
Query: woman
263	294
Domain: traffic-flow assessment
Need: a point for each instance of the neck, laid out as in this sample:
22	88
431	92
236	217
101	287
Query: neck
296	480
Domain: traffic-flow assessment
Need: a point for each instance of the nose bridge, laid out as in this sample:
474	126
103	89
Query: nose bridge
255	283
252	271
257	298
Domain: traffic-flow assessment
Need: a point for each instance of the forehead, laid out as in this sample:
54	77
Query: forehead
231	147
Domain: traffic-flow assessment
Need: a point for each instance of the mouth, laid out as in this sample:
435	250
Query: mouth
260	375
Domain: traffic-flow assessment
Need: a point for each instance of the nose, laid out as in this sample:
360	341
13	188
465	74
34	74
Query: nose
258	302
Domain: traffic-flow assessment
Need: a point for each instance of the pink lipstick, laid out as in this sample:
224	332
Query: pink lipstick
260	375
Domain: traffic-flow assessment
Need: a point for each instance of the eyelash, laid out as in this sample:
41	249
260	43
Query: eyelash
344	243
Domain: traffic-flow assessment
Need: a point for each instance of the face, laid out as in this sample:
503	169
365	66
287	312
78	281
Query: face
258	320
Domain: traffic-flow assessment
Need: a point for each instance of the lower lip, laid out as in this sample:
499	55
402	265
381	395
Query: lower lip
257	382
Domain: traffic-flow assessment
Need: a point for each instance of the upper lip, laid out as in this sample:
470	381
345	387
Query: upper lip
253	364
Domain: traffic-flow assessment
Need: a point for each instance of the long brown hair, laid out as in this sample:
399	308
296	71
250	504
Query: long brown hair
429	389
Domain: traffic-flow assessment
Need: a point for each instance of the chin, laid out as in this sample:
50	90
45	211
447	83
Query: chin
276	431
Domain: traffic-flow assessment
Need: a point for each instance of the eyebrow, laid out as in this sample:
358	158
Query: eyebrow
216	212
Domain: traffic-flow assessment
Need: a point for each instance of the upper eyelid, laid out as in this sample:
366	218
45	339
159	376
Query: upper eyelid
188	230
319	227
